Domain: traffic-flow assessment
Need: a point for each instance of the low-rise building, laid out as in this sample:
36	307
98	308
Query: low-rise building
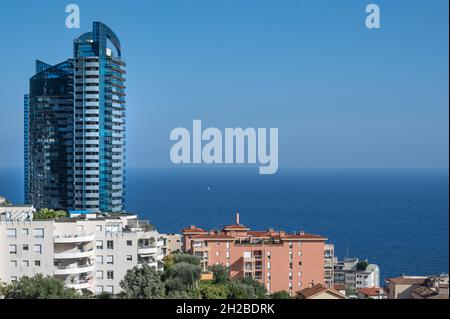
86	250
279	260
355	274
371	293
418	287
319	292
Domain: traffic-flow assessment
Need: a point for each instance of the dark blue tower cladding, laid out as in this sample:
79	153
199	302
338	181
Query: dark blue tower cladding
49	136
99	121
26	112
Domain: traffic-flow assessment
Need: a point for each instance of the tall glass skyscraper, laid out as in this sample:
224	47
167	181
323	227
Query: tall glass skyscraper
93	155
49	135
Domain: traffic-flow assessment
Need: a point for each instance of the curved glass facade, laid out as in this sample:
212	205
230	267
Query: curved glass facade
90	107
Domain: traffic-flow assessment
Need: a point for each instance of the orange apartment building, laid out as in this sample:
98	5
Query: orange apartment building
279	260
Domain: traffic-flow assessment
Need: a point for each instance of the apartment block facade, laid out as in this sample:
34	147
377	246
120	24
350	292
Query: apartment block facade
279	260
346	273
86	251
329	265
74	128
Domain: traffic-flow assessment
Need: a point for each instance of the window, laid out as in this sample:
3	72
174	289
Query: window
228	245
290	275
268	255
227	264
98	289
25	247
11	233
110	289
299	274
99	274
269	276
13	249
268	286
112	229
217	253
99	260
37	263
109	244
109	260
99	244
37	249
99	228
129	258
38	233
129	243
228	255
25	231
13	263
13	278
247	254
268	265
25	263
110	274
80	228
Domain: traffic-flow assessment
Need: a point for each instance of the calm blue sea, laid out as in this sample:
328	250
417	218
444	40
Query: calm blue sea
398	219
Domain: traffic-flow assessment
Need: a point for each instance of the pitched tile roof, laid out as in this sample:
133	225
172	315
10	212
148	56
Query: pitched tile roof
317	289
370	291
408	280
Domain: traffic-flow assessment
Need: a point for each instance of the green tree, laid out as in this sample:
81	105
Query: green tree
182	276
362	265
47	214
221	274
280	295
186	258
246	288
40	287
239	290
3	288
211	290
260	290
142	283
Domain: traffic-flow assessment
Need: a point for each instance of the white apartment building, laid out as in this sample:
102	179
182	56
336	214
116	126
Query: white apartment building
86	250
329	265
346	273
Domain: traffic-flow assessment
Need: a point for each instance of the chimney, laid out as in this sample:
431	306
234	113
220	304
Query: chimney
237	219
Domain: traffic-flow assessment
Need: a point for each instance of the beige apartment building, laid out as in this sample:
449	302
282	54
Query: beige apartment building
86	250
172	244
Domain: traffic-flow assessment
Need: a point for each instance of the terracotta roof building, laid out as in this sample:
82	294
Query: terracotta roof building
319	292
279	260
418	287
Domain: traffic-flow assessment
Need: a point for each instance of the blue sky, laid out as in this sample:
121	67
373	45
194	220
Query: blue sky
340	94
